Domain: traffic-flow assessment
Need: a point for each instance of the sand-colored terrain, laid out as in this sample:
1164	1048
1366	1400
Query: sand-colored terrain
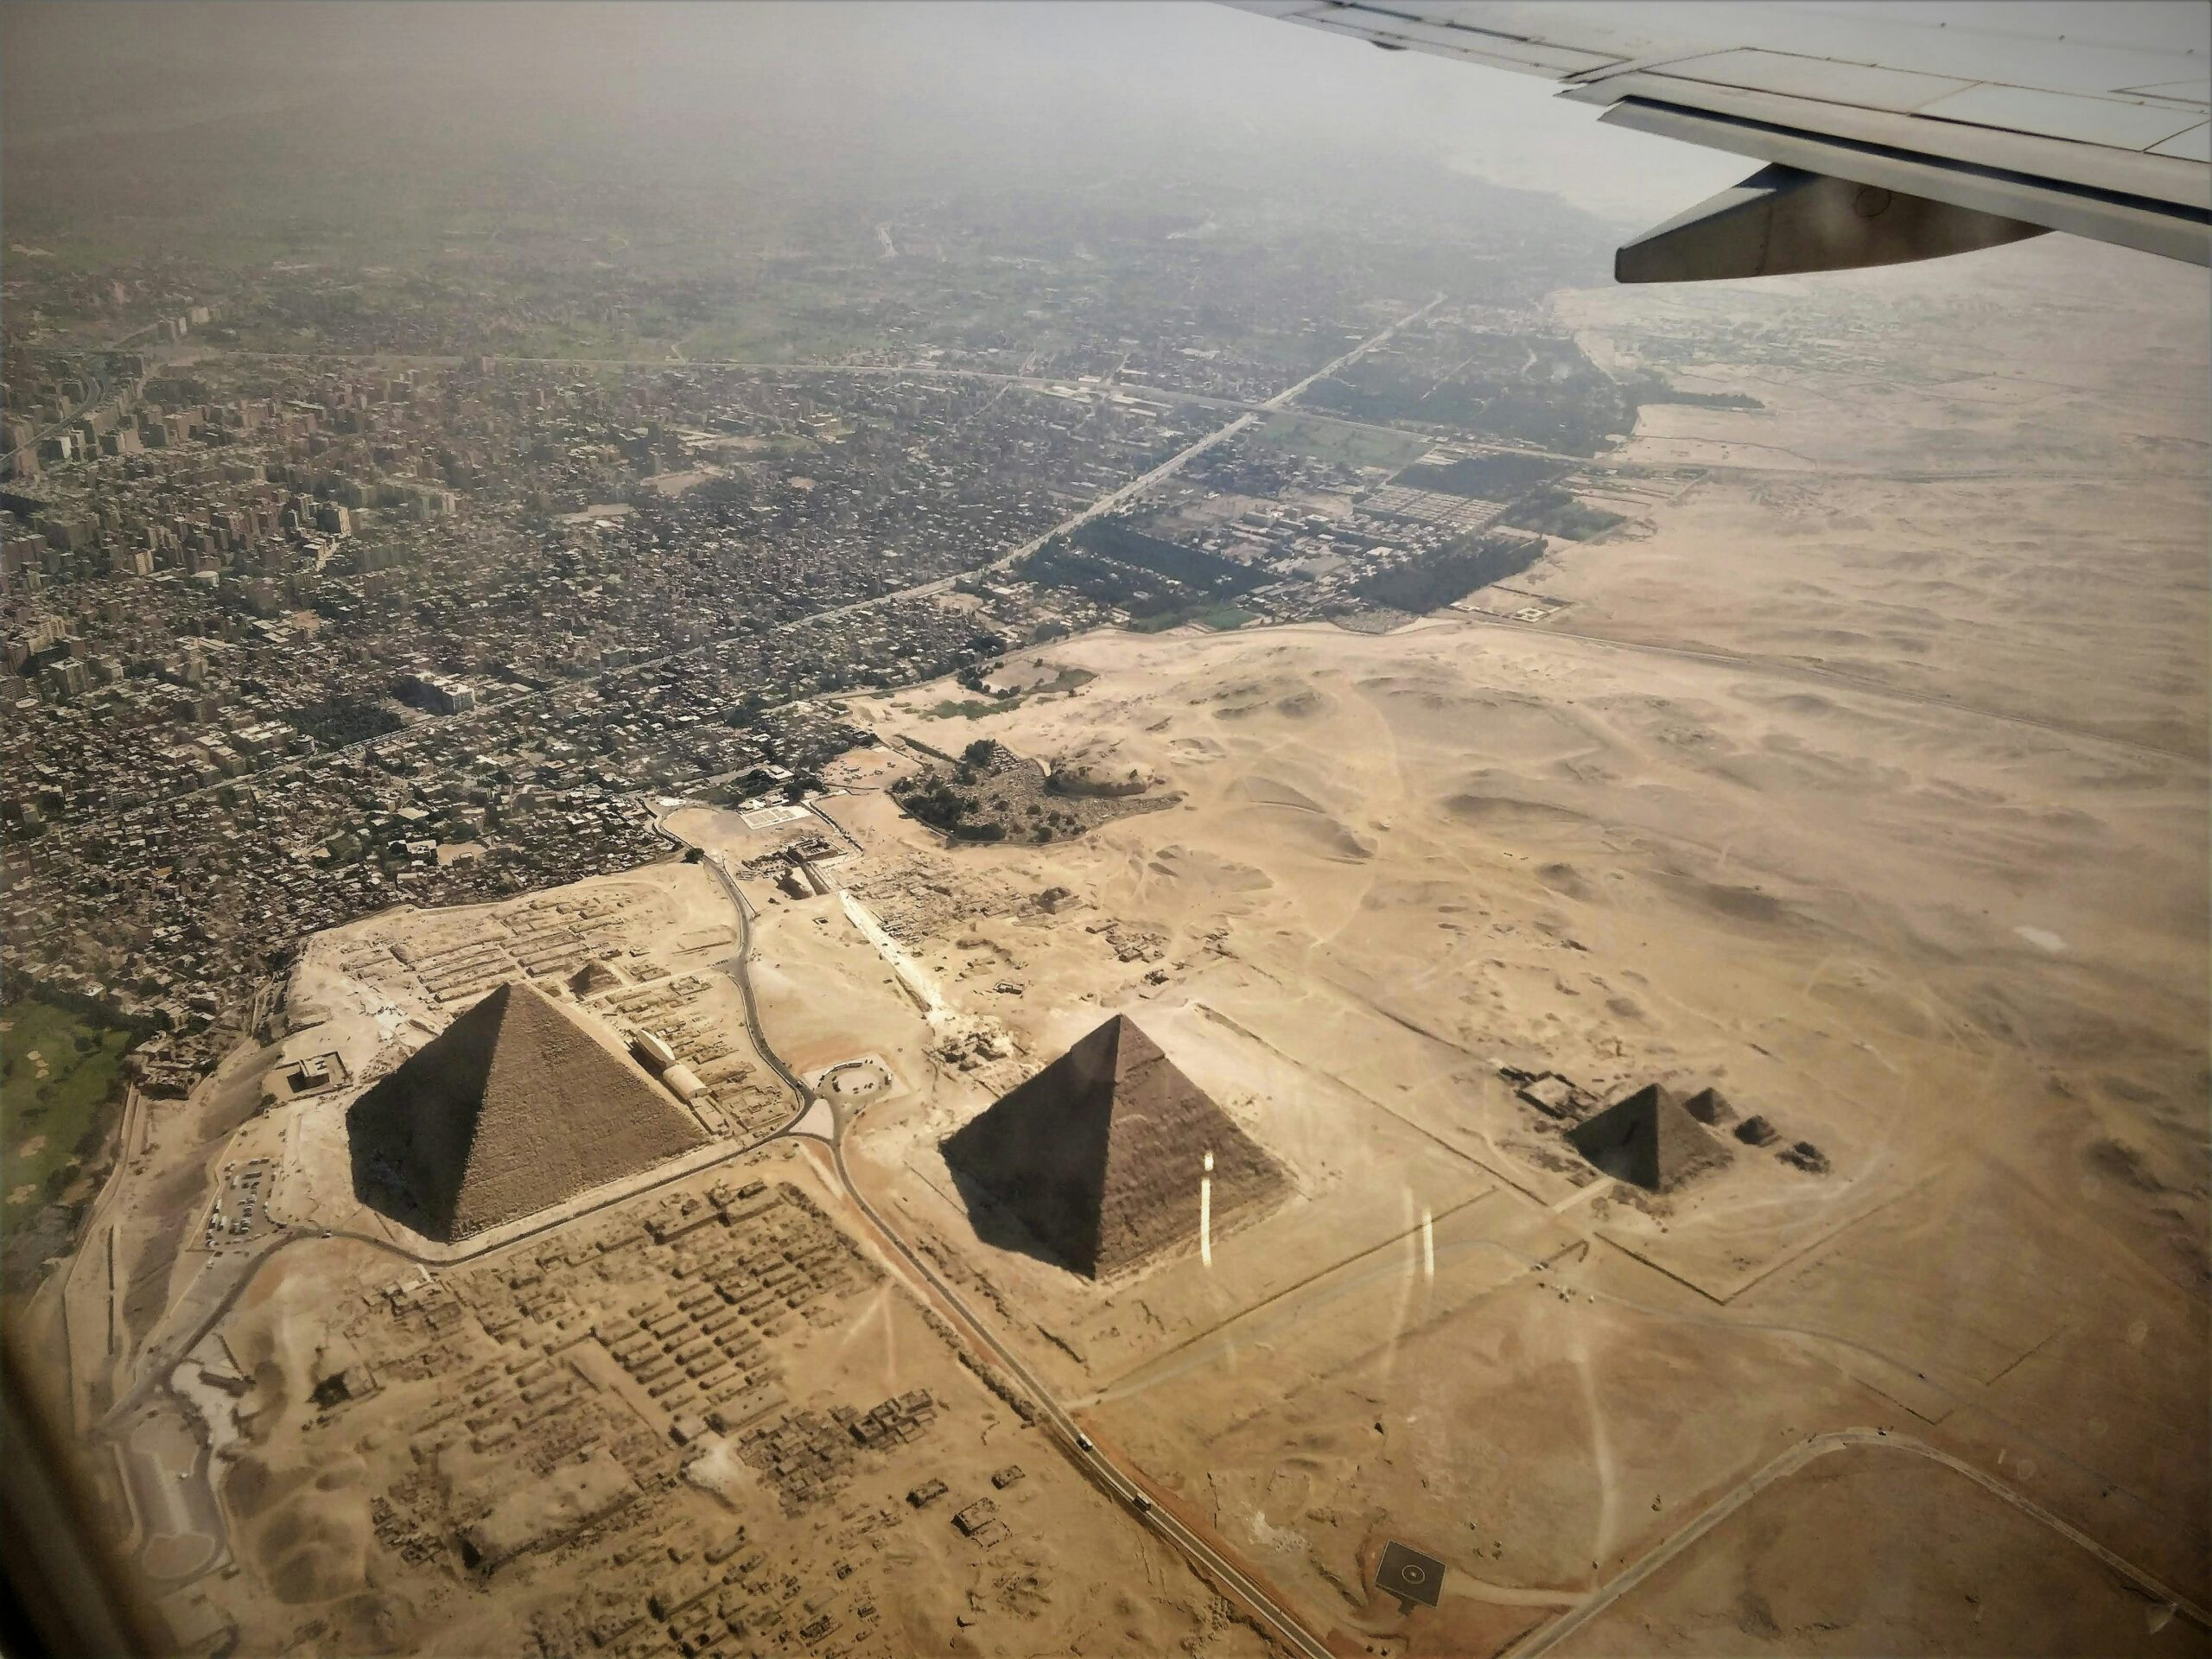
1405	858
491	1474
681	1408
1982	482
646	951
1874	794
1883	1547
1861	778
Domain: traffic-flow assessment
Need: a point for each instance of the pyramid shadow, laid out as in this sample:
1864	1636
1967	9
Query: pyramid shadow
376	1186
513	1108
999	1227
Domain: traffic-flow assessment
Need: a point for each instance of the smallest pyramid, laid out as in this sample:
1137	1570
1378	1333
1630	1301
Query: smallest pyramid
1649	1140
513	1107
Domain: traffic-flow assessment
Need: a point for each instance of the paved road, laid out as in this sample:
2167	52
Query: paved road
100	390
1805	469
95	1256
741	971
154	1364
1076	1446
1073	1442
1175	463
156	1361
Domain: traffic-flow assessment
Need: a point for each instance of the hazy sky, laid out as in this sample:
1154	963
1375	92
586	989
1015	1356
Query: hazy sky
877	75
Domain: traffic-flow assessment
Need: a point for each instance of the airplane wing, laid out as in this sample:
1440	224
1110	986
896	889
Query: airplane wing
1891	131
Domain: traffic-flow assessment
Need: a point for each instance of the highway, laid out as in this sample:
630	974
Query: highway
1808	468
1125	1488
1120	1484
1123	1484
99	391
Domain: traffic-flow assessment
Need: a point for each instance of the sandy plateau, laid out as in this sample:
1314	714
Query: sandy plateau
1862	781
1866	782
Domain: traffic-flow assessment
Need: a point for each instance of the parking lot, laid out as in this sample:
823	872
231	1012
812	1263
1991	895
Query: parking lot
240	1213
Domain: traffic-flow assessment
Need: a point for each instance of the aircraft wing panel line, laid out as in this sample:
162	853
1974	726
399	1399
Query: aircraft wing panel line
2146	223
1993	113
2065	164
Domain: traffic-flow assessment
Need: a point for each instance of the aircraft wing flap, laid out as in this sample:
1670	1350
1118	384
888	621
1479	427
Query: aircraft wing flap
2077	118
2184	92
1789	74
2129	220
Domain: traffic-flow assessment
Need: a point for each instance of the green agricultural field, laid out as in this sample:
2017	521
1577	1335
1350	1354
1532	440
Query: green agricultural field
64	1076
1327	440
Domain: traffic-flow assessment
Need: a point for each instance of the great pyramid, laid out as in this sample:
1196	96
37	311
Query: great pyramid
1649	1140
512	1108
1100	1155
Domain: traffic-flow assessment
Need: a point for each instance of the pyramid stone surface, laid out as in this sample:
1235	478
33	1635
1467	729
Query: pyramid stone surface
594	976
1710	1107
512	1108
1100	1155
1649	1140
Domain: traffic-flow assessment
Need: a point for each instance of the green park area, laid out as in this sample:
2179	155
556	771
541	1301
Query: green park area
63	1075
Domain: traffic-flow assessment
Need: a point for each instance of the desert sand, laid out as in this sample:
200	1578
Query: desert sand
1864	780
1861	775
